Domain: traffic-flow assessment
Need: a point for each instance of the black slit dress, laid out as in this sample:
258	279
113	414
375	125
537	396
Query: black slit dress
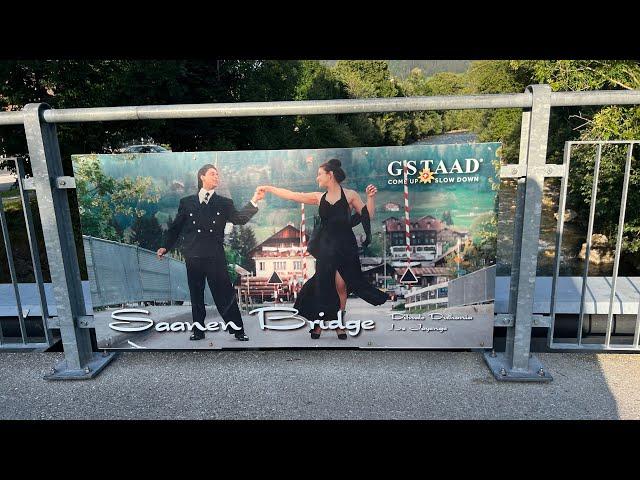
337	250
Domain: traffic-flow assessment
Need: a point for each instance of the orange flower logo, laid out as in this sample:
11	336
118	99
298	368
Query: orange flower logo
426	175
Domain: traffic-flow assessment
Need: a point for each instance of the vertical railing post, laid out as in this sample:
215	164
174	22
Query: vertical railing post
516	363
42	140
517	228
35	251
14	276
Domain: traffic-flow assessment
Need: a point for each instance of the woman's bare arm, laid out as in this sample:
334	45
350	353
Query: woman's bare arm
356	202
310	198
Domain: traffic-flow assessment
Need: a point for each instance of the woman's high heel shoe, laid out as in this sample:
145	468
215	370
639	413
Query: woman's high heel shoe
315	332
343	335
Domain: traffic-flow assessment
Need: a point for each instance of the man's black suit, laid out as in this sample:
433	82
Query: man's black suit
202	228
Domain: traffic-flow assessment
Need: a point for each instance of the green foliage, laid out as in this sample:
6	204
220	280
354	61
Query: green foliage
606	123
233	258
241	241
583	123
485	239
101	196
366	78
91	83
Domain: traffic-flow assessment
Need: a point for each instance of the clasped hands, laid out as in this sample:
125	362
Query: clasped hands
259	193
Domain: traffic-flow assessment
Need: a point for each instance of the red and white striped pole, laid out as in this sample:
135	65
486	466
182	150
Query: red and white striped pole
304	247
406	211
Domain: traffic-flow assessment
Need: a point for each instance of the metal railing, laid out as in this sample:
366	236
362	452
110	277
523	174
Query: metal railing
426	296
536	102
324	107
37	270
121	273
473	289
589	240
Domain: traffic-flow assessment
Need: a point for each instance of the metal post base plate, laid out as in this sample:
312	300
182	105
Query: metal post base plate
500	367
93	368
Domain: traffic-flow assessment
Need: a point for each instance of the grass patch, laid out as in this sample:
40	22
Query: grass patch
10	193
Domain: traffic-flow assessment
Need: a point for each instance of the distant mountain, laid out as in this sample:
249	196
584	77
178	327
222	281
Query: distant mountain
402	68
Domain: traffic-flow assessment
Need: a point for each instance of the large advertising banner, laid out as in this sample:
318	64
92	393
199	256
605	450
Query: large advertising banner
384	247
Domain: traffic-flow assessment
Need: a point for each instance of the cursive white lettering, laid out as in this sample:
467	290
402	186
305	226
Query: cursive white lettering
148	323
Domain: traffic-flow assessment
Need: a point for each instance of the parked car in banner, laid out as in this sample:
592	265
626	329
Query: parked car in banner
148	148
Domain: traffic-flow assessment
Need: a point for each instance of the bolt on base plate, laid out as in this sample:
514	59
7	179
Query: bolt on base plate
500	365
94	367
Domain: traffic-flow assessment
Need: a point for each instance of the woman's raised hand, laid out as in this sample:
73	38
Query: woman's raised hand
371	191
259	194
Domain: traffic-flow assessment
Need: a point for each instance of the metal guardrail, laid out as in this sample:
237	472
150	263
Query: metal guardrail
536	102
118	274
121	273
618	249
37	270
474	288
426	296
324	107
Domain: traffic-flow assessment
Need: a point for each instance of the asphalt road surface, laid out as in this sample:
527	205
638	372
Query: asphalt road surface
319	384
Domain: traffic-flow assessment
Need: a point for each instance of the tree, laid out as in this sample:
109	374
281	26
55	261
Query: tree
317	82
147	233
571	123
233	258
101	196
606	123
242	240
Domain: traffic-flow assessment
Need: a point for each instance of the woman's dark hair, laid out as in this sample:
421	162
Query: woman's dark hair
203	171
334	165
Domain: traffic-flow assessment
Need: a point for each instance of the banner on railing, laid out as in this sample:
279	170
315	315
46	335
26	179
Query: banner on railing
350	247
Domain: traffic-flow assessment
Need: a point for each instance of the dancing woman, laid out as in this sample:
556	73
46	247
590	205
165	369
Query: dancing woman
334	246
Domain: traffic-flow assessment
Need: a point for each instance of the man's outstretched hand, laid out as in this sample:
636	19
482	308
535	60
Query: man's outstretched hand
161	252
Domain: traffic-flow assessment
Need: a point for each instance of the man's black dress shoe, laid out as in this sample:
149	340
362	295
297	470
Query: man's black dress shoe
197	336
242	337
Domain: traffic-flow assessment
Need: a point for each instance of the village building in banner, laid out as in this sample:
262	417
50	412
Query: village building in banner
280	253
432	241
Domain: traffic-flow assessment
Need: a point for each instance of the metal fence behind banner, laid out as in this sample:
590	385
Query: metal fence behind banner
472	289
433	296
530	173
120	273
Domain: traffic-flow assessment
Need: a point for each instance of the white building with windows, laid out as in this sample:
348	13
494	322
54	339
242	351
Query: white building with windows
285	261
280	253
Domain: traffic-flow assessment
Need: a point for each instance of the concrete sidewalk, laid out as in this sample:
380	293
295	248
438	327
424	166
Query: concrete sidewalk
329	384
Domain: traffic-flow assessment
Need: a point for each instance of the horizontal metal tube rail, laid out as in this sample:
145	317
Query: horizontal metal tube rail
324	107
